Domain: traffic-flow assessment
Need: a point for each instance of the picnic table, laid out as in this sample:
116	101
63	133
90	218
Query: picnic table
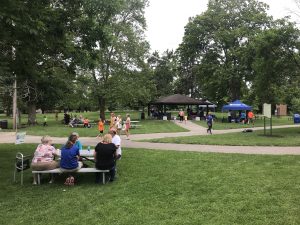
83	152
91	123
135	124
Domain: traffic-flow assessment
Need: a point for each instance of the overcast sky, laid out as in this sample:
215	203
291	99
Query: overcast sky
166	19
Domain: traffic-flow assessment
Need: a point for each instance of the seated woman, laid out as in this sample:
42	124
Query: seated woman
86	123
44	157
77	143
69	158
105	154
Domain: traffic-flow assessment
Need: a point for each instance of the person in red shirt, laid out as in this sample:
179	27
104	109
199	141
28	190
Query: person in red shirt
250	117
86	122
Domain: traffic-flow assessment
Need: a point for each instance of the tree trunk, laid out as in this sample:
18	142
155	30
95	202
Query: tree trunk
101	101
31	113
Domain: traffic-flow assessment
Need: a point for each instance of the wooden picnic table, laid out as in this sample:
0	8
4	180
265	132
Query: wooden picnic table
134	124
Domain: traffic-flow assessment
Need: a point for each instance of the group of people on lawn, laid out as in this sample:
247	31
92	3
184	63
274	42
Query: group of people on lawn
80	120
243	117
106	153
117	123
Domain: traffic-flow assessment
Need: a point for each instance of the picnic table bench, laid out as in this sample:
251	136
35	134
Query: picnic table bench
59	171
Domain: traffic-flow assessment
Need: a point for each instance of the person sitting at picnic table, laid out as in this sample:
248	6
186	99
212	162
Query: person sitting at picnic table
44	158
104	155
86	122
116	139
69	158
74	121
78	142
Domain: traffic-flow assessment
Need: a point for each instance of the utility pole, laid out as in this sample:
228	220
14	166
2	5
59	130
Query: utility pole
15	122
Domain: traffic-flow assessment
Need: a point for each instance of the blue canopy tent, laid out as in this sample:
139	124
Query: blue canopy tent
236	106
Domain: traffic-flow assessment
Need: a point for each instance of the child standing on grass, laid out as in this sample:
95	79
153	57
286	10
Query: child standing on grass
127	126
100	127
45	121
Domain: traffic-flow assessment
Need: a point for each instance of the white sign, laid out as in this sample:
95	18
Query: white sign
20	138
267	110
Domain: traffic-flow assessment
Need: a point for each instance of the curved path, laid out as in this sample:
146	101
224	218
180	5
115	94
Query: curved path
9	137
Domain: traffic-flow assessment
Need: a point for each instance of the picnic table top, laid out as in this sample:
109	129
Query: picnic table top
83	152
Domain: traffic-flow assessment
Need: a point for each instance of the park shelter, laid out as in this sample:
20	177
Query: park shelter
236	106
178	100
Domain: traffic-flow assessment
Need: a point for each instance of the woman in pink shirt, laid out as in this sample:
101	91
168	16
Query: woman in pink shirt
44	157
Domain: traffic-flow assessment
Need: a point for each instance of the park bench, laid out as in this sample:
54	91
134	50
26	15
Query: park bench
82	125
133	126
59	171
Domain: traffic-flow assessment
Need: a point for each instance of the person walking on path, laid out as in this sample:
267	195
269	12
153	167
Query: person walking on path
181	115
209	121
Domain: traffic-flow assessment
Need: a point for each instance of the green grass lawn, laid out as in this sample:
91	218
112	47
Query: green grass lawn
218	125
160	187
57	129
281	137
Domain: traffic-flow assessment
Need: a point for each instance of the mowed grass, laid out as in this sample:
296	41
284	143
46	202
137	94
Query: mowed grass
218	125
280	137
160	187
57	129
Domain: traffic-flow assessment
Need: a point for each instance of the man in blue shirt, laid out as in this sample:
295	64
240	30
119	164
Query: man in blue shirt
209	120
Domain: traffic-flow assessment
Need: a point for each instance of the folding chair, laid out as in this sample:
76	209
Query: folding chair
21	163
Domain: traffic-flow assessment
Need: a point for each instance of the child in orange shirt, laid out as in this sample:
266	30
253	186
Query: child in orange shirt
100	127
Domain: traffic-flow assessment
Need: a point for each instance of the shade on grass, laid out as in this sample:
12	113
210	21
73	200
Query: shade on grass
281	137
158	187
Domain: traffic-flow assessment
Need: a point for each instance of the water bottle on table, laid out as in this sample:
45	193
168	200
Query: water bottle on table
89	149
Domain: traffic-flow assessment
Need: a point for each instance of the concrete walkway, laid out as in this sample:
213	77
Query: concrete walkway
194	129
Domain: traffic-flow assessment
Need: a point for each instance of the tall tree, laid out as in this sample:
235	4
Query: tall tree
119	50
212	54
35	41
275	62
164	72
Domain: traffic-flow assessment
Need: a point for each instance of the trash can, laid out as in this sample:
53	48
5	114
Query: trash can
142	116
168	116
3	124
296	118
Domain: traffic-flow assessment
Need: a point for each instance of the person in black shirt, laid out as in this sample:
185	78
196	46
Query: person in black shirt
105	154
